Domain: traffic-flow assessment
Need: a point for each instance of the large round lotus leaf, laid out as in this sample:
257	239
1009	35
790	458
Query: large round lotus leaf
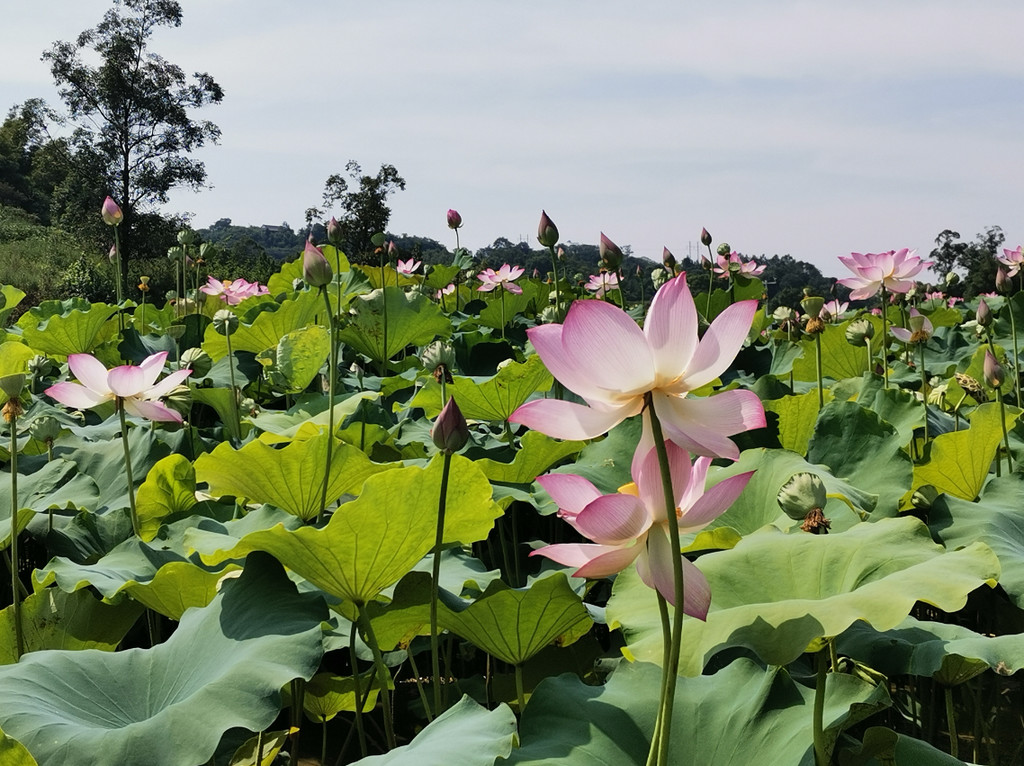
169	488
298	357
103	462
797	416
839	359
372	541
412	320
222	668
77	331
290	477
267	327
780	594
494	398
466	734
56	484
743	714
882	745
996	520
535	455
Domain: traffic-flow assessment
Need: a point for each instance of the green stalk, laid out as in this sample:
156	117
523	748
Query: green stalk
384	307
19	637
671	670
231	372
332	366
817	360
554	275
820	748
622	298
954	739
457	273
1016	362
435	578
419	687
136	527
885	340
924	392
666	643
502	312
357	682
383	676
1006	436
520	695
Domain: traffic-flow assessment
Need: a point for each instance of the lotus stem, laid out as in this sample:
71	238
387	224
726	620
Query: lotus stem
1016	362
671	669
924	392
357	682
383	677
332	367
502	313
136	527
457	273
19	636
1006	436
885	340
384	309
520	694
820	747
435	579
234	388
666	644
419	687
622	298
954	739
817	360
554	275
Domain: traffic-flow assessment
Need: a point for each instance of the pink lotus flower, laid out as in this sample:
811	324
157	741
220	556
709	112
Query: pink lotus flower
631	526
454	219
444	291
409	267
600	284
600	354
1013	260
919	328
893	270
734	264
835	308
111	213
503	277
135	387
232	291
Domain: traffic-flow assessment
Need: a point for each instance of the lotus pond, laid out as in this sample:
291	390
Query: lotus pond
371	515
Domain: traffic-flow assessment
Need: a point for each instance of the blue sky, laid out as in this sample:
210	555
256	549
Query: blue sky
805	128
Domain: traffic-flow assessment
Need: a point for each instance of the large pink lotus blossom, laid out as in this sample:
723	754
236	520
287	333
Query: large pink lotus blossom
1013	260
600	354
409	267
893	270
503	277
232	291
631	525
600	284
735	264
134	386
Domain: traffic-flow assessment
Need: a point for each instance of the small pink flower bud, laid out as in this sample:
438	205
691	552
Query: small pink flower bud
983	316
611	255
450	432
994	372
1003	282
547	232
668	260
334	232
316	271
454	219
705	238
111	212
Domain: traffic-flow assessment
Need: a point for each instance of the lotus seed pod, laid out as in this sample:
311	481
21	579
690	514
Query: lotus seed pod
45	428
437	353
924	496
812	306
548	315
803	493
859	332
724	250
197	360
12	385
659	277
225	322
179	399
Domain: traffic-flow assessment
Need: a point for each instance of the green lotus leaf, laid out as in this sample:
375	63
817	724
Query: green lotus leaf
169	488
495	398
492	315
514	624
743	289
839	358
860	448
797	416
13	361
75	332
56	484
296	360
819	586
413	320
897	407
103	462
882	745
267	328
269	743
53	619
282	281
949	653
536	454
222	668
326	695
372	541
995	520
441	275
466	733
10	297
290	477
12	752
310	408
222	400
959	462
741	714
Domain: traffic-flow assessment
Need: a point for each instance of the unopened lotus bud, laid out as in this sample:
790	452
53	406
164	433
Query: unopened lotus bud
112	254
45	429
547	232
450	432
951	278
196	360
924	497
454	219
983	316
705	238
859	332
803	493
724	250
111	212
611	255
668	260
1003	282
659	277
316	271
334	235
392	249
994	372
186	237
225	322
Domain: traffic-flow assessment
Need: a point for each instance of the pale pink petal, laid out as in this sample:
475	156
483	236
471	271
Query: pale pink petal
671	328
547	340
151	410
512	288
90	372
702	425
606	345
648	479
166	385
74	395
897	286
580	555
613	561
613	519
567	420
570	492
713	503
127	380
720	344
655	570
901	333
153	365
487	287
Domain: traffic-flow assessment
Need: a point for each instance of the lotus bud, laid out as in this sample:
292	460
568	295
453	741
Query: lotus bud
1003	282
803	497
668	260
197	360
392	249
560	254
225	322
994	372
724	250
611	255
450	432
316	271
659	277
186	237
705	238
859	332
111	212
983	316
44	429
454	219
924	497
547	232
334	235
952	278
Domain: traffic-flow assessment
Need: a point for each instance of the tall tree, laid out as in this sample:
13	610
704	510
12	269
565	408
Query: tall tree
975	260
130	111
364	210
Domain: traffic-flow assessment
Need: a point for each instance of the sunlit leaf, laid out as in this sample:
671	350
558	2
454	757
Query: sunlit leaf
169	488
412	320
76	332
495	398
298	357
267	328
